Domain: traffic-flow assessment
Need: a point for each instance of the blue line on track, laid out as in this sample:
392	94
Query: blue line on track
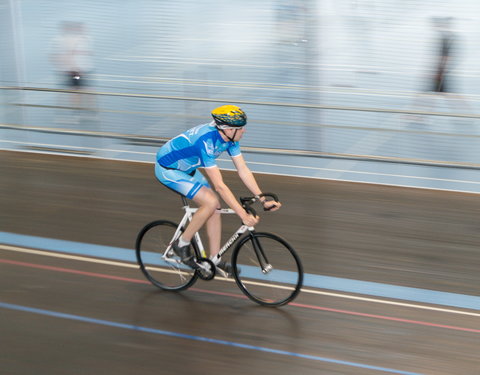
310	280
196	338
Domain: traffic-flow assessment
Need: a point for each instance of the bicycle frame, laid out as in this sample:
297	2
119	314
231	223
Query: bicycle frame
187	217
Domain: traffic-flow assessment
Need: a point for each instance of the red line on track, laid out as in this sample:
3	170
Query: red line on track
312	307
69	270
385	317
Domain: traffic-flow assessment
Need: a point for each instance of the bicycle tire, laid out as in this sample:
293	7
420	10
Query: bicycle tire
278	286
150	246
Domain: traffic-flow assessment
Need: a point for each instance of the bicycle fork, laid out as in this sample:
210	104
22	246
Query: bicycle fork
262	258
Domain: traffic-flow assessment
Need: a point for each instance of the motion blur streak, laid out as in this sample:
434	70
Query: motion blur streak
197	338
91	274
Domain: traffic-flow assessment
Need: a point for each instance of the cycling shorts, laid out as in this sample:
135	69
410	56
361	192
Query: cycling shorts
181	182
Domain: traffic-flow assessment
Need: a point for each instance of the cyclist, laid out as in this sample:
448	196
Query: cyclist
177	168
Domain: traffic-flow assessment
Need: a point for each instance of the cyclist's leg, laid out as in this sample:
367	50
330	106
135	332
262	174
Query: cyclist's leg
214	222
207	202
214	232
194	187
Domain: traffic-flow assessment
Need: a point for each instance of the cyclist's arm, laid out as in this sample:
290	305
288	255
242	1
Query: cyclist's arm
250	182
224	191
246	174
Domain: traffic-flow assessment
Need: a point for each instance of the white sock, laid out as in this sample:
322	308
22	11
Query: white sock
182	242
215	260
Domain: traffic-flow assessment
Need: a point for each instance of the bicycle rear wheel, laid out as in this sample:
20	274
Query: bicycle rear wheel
164	272
267	269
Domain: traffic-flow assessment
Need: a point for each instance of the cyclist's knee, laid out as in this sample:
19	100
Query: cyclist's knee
207	198
213	202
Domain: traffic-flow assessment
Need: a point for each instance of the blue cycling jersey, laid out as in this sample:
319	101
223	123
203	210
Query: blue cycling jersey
197	147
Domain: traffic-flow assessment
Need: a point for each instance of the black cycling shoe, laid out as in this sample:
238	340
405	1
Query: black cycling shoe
225	269
185	254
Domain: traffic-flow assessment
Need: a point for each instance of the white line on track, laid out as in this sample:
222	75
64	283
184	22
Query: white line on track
304	290
260	163
250	162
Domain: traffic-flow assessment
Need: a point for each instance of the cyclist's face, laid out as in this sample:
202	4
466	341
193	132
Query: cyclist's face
236	133
239	134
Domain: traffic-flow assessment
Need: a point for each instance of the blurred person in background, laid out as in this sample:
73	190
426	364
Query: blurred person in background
177	168
447	41
71	56
441	83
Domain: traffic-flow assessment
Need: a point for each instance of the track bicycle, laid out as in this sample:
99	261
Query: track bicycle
265	267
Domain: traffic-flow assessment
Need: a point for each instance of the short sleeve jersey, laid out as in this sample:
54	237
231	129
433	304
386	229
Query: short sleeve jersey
197	147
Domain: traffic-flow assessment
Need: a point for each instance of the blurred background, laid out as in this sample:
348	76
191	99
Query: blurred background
382	91
378	91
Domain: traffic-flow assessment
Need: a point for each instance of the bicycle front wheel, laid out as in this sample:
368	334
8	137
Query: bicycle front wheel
162	270
267	269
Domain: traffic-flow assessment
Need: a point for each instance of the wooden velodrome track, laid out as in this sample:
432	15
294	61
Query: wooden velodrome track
62	315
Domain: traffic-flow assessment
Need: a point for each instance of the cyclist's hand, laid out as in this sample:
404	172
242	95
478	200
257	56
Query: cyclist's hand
250	220
271	205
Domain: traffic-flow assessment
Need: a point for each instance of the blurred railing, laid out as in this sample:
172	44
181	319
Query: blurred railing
390	142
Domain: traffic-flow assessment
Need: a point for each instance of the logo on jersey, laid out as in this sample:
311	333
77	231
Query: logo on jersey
194	130
209	148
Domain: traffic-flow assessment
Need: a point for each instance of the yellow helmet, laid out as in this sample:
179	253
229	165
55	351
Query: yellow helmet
229	116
